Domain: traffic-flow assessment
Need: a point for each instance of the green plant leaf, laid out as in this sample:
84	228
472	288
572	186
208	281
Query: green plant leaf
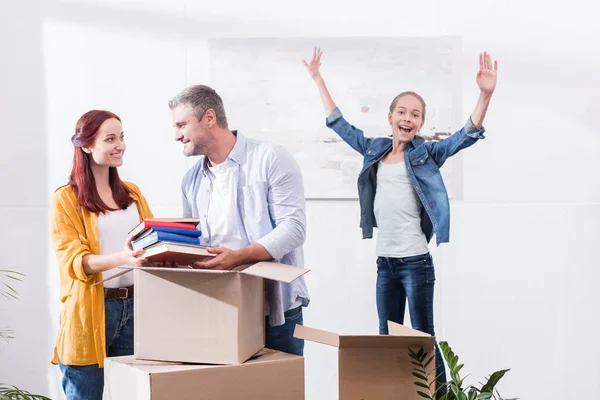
429	361
421	384
12	274
9	392
454	361
425	395
440	389
412	354
502	398
455	390
493	380
417	375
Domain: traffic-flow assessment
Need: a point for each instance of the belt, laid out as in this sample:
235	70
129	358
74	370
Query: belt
118	293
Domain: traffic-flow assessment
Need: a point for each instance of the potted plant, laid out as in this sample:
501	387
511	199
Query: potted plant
454	389
9	392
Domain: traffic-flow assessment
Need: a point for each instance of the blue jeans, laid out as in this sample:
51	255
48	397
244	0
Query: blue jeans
412	278
282	338
87	382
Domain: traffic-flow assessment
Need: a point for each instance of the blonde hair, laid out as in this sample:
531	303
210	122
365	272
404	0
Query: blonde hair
418	97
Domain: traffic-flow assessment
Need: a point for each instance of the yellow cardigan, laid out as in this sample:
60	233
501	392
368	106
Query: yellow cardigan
81	336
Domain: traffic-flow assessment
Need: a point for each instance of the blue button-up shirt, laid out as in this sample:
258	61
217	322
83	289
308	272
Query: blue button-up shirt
271	211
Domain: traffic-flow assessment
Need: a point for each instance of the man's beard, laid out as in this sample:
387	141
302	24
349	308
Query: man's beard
199	149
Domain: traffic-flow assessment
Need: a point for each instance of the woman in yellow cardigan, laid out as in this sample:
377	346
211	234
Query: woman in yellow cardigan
90	220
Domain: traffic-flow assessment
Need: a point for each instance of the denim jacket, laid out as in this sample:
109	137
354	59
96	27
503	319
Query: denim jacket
423	161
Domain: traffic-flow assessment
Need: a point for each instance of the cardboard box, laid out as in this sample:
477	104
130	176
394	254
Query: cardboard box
203	316
375	367
271	375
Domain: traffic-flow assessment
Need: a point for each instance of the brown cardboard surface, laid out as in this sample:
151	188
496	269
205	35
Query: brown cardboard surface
376	374
317	335
213	318
202	315
374	367
402	330
264	269
271	375
275	271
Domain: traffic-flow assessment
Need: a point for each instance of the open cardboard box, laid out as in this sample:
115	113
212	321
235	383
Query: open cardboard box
203	316
270	375
375	367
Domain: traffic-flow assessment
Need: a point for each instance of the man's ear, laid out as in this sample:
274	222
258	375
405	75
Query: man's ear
210	117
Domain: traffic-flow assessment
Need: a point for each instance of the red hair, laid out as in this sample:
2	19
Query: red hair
82	179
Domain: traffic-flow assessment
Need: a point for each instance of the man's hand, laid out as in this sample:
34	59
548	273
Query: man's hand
225	259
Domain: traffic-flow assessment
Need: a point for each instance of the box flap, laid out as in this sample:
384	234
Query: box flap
275	271
156	367
263	269
317	335
396	329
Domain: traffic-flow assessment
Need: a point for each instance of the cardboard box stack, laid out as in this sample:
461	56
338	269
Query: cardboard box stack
200	334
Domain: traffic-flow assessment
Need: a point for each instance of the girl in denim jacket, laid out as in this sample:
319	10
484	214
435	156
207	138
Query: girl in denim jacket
401	192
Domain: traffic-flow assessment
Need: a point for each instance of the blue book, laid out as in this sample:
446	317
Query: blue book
158	236
186	232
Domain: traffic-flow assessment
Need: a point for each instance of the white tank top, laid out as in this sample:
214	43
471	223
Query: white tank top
398	214
113	228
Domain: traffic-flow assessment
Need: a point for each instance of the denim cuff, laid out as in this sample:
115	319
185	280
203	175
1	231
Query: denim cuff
472	131
333	117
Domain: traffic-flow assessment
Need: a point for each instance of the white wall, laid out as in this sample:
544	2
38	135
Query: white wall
515	287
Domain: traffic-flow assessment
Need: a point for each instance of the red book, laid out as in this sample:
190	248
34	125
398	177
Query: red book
178	223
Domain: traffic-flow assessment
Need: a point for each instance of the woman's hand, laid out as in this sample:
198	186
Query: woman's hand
130	256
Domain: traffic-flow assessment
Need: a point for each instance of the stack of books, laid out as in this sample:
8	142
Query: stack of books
172	240
175	230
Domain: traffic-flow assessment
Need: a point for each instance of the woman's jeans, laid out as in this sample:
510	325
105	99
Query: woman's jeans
87	382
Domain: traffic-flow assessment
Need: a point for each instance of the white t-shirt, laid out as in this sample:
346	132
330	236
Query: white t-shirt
223	226
113	229
398	214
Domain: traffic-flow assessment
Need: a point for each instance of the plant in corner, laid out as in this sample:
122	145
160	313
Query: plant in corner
453	389
9	392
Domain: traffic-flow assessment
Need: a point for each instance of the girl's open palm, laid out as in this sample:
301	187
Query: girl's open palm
315	63
486	77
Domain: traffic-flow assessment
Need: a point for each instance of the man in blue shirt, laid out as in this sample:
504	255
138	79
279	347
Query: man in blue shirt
249	196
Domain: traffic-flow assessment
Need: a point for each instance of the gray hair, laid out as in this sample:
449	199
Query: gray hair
201	98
